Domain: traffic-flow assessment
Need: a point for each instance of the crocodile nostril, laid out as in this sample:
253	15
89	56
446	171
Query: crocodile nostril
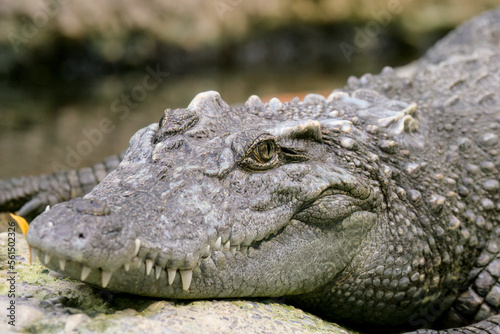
81	236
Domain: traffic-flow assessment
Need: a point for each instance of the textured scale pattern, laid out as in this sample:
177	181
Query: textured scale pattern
378	205
30	195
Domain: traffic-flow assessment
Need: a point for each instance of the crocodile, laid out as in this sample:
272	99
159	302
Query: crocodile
377	206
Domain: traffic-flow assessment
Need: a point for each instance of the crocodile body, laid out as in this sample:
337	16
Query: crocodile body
378	205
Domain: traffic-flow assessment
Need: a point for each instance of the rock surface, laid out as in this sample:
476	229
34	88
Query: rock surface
46	302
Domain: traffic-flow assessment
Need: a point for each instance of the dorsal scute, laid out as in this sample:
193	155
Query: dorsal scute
314	99
205	115
208	103
398	120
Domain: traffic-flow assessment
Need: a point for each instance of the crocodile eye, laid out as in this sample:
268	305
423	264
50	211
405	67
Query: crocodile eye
263	154
265	151
162	120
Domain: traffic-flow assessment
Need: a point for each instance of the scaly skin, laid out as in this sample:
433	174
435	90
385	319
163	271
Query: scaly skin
378	205
29	196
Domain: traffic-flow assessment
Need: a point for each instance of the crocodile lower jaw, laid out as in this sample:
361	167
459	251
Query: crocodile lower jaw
54	261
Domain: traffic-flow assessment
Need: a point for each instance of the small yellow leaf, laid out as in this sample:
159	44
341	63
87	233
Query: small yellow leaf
23	224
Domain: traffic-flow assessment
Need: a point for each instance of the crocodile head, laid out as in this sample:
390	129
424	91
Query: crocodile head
214	201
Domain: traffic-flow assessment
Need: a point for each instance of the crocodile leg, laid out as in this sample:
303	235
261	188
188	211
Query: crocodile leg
31	195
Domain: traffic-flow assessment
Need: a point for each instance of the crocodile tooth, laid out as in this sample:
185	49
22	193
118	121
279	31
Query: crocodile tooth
34	254
227	245
171	275
137	246
41	255
47	208
62	263
206	251
233	249
106	276
244	250
218	244
139	262
126	266
158	271
47	258
149	265
85	273
186	276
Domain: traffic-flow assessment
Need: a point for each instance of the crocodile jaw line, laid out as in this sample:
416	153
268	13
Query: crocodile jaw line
185	282
59	263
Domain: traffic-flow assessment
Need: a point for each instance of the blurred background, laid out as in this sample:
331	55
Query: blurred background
78	78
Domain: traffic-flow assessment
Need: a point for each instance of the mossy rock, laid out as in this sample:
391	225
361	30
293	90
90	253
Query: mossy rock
47	302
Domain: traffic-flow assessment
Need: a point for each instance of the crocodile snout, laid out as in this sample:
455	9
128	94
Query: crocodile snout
85	233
